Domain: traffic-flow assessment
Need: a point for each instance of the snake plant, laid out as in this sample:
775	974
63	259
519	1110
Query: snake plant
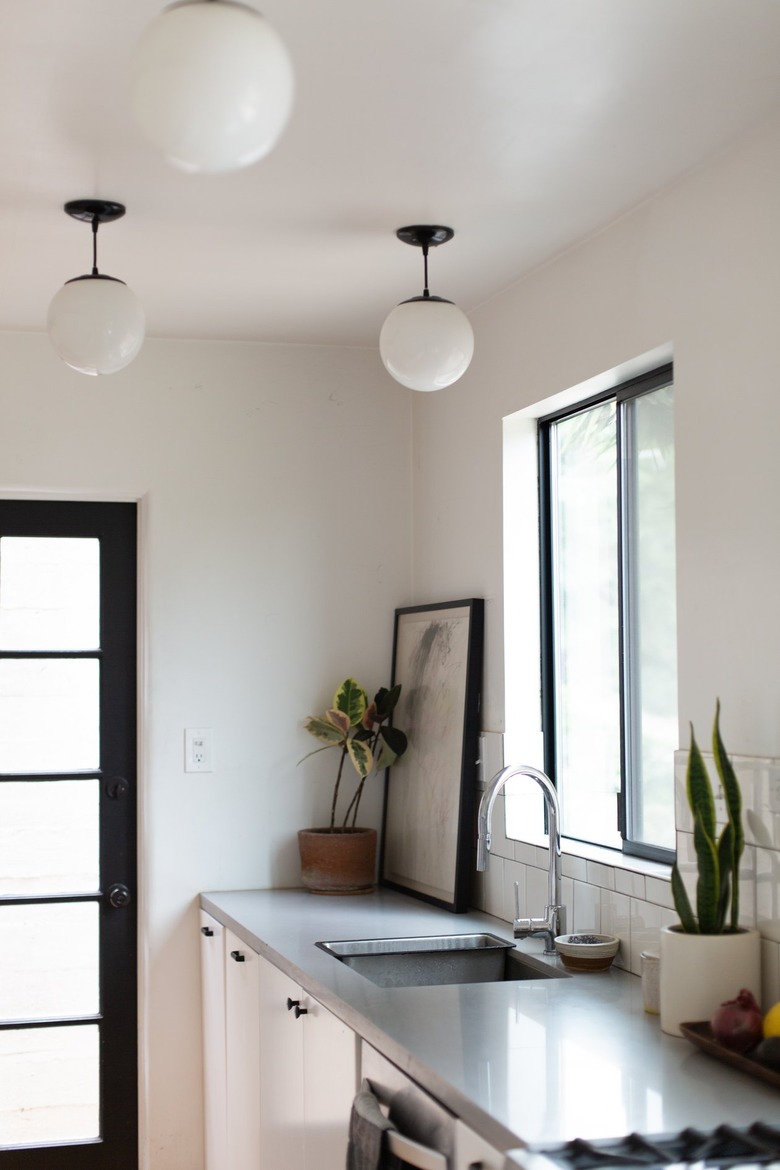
717	886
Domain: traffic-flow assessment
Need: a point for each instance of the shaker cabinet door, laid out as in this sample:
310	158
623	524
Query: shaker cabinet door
281	1071
212	976
242	1030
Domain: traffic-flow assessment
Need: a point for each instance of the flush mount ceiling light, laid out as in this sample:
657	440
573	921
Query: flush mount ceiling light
95	322
426	343
212	85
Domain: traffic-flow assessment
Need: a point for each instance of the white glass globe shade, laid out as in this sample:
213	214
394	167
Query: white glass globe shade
96	324
212	85
426	343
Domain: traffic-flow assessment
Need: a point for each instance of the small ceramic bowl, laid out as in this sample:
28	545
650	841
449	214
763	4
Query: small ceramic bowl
587	952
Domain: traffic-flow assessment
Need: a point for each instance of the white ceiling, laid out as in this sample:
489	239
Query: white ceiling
523	124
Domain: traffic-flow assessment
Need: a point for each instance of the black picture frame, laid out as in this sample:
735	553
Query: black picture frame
430	793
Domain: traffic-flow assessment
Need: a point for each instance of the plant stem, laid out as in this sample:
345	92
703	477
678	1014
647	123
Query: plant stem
336	789
354	804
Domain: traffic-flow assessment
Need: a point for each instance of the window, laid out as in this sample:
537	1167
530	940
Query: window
608	631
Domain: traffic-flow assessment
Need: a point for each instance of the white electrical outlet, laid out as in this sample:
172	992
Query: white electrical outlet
198	749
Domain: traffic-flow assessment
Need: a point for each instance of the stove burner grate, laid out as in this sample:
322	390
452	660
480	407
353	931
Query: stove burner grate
722	1147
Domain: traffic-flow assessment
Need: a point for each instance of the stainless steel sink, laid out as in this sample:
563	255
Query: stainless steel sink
433	960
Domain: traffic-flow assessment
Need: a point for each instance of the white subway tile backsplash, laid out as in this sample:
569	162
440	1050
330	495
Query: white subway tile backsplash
514	872
659	892
535	891
634	903
542	857
768	893
646	923
525	853
495	887
628	882
601	875
574	867
616	919
770	973
567	899
500	844
585	909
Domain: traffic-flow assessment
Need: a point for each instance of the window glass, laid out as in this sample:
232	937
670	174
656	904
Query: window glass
50	960
49	593
49	1085
583	455
49	714
651	604
49	837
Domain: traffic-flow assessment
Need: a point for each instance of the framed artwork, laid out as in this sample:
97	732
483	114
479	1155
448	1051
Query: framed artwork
429	794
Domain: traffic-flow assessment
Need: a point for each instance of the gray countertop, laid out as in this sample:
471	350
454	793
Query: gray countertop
538	1061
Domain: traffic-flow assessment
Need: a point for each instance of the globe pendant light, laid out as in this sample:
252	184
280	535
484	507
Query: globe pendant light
96	323
426	343
212	85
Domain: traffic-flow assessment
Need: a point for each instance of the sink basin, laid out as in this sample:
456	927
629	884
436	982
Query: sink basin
433	960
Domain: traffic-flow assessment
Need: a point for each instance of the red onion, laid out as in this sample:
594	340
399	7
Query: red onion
738	1023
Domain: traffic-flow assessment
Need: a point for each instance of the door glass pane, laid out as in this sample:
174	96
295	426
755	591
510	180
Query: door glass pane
49	1085
49	838
654	644
49	593
587	679
49	715
50	961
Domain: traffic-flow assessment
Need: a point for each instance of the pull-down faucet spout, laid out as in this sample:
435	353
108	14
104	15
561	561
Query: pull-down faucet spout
554	921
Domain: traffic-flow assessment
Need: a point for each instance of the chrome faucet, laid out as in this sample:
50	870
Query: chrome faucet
554	921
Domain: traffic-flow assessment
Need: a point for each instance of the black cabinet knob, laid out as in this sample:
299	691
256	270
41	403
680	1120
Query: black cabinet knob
238	956
207	931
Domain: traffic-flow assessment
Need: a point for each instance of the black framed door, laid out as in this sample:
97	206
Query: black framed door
68	871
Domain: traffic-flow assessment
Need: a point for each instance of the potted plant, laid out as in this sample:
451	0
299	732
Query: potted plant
341	857
708	957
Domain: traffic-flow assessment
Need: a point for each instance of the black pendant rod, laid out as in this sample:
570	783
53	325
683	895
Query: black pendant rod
425	236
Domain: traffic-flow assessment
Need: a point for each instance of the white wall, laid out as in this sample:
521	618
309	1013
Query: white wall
275	505
697	267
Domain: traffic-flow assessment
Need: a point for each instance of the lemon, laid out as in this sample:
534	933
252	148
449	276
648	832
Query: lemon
772	1021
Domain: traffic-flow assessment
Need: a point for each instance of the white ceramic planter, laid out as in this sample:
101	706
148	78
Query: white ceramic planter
701	971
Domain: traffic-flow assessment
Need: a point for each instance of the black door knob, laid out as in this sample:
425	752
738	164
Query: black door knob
118	896
117	788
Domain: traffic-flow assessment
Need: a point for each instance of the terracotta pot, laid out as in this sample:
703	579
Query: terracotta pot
339	862
701	971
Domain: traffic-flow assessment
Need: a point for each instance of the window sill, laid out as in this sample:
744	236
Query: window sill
615	860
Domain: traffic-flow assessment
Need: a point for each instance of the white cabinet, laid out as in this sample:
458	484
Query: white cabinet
212	973
308	1078
242	1054
279	1080
231	1048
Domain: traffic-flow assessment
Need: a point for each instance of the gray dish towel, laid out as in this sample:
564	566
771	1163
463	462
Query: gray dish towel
367	1148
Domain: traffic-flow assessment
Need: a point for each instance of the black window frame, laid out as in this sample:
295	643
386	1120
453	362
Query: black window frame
626	391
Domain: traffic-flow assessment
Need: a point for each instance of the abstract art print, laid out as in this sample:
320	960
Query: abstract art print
429	798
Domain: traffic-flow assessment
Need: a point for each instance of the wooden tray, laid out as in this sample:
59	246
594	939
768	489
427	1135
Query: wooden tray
700	1034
